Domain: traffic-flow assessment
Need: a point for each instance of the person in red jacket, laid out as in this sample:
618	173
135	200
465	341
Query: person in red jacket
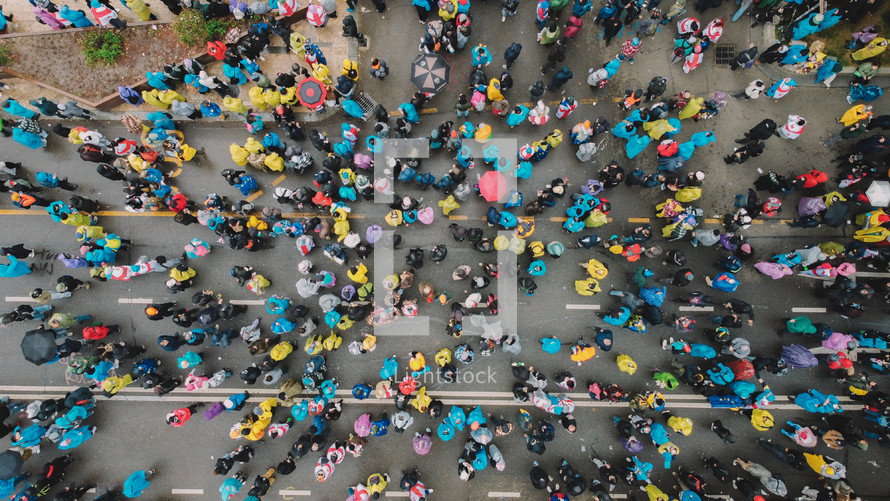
96	332
178	417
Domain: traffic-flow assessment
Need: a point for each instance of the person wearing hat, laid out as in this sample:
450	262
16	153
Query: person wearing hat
43	297
160	311
630	48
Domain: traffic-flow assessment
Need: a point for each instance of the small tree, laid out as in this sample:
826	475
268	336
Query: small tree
102	47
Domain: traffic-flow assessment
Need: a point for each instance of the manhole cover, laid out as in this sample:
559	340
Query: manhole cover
725	53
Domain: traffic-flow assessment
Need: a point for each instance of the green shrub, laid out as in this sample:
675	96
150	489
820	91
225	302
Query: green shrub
102	47
192	29
6	56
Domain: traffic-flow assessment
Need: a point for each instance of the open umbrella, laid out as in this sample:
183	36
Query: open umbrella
429	73
311	92
39	346
878	194
493	186
10	464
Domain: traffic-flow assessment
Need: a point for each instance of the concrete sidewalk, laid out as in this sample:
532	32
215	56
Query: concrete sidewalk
278	58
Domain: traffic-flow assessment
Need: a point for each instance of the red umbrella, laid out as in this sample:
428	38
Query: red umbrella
311	92
493	186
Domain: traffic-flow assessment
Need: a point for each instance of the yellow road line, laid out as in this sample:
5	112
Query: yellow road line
713	221
638	220
254	196
457	218
428	111
278	180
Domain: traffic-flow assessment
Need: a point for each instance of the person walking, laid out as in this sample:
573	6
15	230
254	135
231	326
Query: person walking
379	69
178	417
630	48
556	55
560	78
752	91
137	482
656	88
512	54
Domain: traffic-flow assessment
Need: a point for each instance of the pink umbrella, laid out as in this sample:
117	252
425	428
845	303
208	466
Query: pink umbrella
493	186
426	215
422	444
362	425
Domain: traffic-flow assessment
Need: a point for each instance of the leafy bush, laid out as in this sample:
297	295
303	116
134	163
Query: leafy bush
6	56
102	47
192	29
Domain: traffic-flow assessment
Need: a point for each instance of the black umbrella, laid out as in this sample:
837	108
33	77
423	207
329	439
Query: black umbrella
10	464
429	73
39	346
311	92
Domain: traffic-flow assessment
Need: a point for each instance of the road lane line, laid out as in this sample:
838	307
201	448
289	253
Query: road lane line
808	310
582	306
197	492
248	301
278	180
696	308
496	494
291	492
20	299
254	196
396	494
638	220
457	218
135	300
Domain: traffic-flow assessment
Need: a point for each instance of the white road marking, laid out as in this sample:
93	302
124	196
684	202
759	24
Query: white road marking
582	306
496	494
20	299
291	492
135	300
187	491
396	494
808	310
695	308
248	301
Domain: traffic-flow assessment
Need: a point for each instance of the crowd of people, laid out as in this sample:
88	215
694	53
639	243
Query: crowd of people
717	361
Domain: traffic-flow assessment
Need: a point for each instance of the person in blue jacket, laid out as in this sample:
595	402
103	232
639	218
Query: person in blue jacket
75	17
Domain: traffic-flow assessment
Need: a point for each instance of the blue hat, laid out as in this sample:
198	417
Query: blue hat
635	42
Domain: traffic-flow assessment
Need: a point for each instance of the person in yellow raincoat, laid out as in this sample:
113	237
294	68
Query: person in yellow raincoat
656	494
681	425
76	219
254	146
182	275
332	342
274	162
692	108
870	235
587	287
322	73
494	90
232	104
140	9
582	352
281	350
417	362
358	273
875	47
255	94
152	97
113	384
762	420
554	139
289	96
239	154
377	483
271	97
855	114
626	364
658	128
349	69
595	269
422	401
820	465
483	133
443	357
393	218
168	96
